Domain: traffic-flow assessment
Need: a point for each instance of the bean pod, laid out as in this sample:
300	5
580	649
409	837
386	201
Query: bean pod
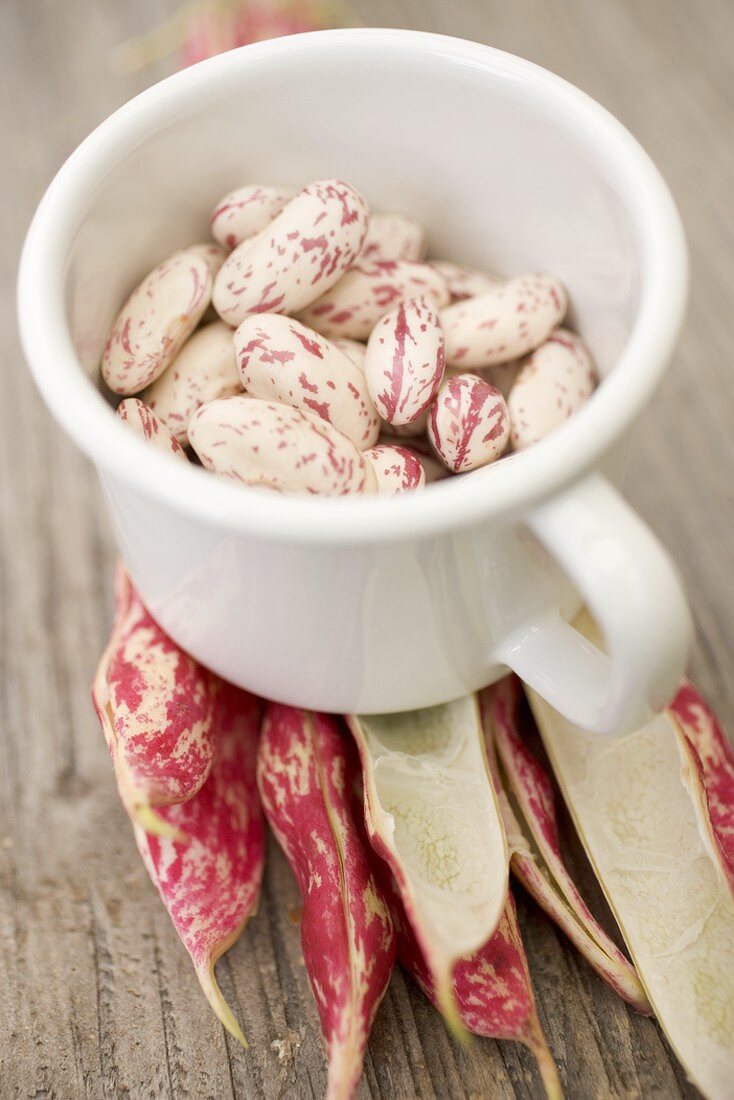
141	420
156	320
204	370
245	211
405	361
366	293
260	443
307	778
504	323
397	469
393	237
551	385
281	360
297	257
468	424
209	879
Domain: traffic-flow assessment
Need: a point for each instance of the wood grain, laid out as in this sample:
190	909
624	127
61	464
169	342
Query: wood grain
98	998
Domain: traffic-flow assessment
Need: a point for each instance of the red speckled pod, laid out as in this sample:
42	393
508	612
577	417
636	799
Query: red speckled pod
245	211
307	779
393	237
366	293
261	443
713	761
551	385
504	323
141	420
157	708
465	282
404	363
542	871
209	880
281	360
468	423
298	256
493	990
397	469
204	370
157	318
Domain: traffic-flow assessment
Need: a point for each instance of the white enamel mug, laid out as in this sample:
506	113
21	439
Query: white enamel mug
385	604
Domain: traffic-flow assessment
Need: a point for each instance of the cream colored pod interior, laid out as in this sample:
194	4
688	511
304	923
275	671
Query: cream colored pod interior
386	603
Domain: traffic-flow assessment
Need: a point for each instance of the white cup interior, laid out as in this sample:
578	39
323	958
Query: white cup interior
510	168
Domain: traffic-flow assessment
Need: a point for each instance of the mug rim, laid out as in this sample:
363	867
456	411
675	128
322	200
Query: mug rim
507	487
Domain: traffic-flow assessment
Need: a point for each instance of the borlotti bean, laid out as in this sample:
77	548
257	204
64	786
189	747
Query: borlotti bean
261	443
469	425
465	282
358	301
552	384
404	362
353	348
281	360
397	469
504	323
325	354
214	255
204	370
144	423
297	257
160	314
244	212
393	237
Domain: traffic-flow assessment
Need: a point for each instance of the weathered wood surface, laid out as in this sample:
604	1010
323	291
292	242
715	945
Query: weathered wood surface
97	996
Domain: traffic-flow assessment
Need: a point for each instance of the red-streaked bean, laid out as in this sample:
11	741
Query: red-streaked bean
397	469
465	282
468	424
261	443
204	370
156	320
393	237
405	361
245	211
552	384
353	307
281	360
214	255
503	324
140	418
297	257
353	348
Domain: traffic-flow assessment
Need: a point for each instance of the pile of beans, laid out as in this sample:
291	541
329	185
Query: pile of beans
313	348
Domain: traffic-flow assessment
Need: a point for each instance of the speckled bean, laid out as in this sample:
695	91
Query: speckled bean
503	324
405	361
144	423
353	348
277	447
160	314
397	469
214	255
465	282
358	301
552	384
279	359
245	211
468	423
297	257
393	237
203	370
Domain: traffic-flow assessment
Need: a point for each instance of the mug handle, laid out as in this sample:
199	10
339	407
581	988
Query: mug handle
633	591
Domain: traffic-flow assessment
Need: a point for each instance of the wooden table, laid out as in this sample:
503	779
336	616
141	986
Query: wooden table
97	997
